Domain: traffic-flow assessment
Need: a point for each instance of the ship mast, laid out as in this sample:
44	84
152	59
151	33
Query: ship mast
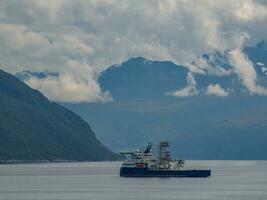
164	155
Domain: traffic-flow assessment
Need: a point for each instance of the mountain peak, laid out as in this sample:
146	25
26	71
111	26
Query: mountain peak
137	59
134	61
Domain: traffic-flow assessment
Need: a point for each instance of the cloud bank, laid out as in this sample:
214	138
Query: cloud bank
80	38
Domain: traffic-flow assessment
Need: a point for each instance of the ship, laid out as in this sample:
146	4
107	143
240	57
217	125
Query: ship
141	163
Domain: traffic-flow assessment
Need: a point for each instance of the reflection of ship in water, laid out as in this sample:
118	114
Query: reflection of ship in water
141	163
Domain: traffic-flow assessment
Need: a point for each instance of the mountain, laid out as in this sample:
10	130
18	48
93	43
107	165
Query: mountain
139	78
201	125
34	129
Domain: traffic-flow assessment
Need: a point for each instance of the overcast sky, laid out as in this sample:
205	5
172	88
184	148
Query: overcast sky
80	38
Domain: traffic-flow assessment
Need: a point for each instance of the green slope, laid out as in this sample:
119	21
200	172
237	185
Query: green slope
34	129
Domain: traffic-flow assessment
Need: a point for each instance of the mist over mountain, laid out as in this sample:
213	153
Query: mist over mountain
210	114
34	129
26	75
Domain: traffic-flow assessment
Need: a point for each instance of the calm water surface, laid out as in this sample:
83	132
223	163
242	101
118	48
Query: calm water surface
235	180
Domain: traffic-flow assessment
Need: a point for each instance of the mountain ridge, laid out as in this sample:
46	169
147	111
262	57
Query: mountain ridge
201	125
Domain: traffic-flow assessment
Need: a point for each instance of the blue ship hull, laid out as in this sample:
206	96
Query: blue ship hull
146	172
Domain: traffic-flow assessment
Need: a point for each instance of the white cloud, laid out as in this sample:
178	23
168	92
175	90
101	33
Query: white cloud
217	90
259	64
264	70
67	88
41	35
189	90
71	86
244	68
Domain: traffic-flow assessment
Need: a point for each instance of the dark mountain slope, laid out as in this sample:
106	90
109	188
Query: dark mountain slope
32	128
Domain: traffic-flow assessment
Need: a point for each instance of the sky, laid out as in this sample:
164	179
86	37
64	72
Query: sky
81	38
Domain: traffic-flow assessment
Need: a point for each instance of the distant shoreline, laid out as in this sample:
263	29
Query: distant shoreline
11	162
14	162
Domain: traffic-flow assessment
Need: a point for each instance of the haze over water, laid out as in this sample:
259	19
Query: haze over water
57	181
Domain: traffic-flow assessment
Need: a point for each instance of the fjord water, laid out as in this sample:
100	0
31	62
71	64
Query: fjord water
238	180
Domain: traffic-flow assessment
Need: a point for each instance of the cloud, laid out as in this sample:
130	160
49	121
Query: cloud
71	86
217	90
248	11
67	88
244	68
264	70
51	35
259	64
189	90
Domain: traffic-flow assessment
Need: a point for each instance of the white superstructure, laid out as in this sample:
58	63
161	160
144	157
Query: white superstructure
145	159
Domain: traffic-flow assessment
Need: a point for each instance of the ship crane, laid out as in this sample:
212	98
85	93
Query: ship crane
148	149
